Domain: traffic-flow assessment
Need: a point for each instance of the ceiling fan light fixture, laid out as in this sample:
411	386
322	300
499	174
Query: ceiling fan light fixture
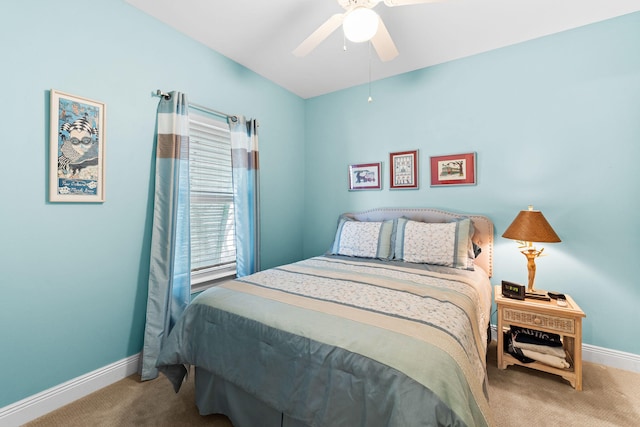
360	25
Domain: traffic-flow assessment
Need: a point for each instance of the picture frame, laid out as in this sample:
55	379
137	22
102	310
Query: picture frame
76	148
453	169
365	176
404	170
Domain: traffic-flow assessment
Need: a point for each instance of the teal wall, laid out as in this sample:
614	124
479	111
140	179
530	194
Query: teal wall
73	277
555	122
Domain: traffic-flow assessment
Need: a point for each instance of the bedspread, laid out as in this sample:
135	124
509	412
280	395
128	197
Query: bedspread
333	341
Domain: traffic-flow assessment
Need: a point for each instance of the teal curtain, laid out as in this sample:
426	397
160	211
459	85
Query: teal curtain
246	193
170	262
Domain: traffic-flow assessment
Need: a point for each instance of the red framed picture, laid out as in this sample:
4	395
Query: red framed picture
364	176
454	169
404	169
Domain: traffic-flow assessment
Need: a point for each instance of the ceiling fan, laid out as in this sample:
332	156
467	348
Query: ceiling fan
360	23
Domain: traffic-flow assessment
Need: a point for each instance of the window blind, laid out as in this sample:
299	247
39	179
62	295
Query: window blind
213	250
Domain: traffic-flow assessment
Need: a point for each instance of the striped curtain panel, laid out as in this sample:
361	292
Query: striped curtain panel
170	264
244	159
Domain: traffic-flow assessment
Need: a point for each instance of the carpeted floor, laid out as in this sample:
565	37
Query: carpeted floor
524	397
518	396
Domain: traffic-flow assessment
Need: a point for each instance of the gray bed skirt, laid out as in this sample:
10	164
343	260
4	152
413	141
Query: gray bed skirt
214	395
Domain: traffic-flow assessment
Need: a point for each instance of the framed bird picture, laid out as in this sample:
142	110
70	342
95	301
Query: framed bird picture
76	149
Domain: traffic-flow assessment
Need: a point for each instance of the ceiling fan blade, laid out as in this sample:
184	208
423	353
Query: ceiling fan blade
383	44
319	35
392	3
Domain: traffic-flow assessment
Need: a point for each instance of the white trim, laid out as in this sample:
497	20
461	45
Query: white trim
603	356
611	358
56	397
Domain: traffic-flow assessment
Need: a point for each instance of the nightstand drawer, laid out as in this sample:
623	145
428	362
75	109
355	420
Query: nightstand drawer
562	325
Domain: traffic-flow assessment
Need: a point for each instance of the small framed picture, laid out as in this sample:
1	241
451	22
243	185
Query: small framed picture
76	149
404	169
365	176
454	169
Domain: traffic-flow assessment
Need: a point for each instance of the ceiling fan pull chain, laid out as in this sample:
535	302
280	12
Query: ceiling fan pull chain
370	100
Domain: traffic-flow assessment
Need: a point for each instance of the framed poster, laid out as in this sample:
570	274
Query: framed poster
76	149
404	169
454	169
365	176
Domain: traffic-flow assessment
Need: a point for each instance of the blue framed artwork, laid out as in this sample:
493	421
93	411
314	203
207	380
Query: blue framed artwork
76	149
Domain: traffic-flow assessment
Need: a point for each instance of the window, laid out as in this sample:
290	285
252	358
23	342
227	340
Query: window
213	248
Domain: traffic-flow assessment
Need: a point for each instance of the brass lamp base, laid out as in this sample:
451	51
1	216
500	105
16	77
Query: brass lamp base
531	254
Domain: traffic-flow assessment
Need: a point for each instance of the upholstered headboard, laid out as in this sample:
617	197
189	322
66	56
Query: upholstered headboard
483	226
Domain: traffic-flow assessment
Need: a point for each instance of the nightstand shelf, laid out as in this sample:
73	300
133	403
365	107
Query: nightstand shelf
544	316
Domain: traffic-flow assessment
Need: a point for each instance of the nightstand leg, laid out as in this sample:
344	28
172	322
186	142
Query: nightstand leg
577	346
500	333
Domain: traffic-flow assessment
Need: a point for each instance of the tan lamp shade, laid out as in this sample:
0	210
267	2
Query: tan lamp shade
531	226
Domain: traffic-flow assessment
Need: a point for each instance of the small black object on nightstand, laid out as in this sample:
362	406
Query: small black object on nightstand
537	296
556	295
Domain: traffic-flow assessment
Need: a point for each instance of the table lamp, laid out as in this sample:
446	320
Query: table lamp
531	226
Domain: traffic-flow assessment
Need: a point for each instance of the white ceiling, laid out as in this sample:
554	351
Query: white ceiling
260	34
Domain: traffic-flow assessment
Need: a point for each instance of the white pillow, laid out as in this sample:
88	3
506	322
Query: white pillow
442	243
363	239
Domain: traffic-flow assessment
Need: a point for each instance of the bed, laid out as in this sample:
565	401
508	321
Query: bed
388	328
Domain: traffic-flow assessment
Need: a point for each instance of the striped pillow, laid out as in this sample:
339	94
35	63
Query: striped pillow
363	239
445	243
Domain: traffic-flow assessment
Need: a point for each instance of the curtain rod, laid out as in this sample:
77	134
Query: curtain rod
233	118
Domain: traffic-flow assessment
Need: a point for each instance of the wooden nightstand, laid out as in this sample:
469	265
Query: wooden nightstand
544	316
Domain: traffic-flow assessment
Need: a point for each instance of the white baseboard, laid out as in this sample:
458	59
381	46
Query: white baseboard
56	397
603	356
611	358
